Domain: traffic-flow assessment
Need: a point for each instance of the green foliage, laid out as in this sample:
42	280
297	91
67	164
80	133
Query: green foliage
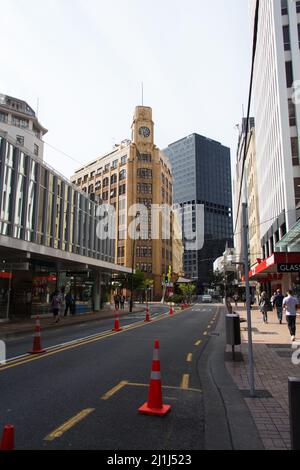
187	289
176	299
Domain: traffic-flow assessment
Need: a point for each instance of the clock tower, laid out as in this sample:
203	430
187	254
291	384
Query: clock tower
143	128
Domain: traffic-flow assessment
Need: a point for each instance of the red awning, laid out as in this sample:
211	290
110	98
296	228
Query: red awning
278	263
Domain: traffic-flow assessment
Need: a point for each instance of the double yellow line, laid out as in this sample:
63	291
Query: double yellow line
77	343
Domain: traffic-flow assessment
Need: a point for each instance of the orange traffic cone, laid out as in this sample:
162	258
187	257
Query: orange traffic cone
154	406
37	346
148	318
7	442
117	324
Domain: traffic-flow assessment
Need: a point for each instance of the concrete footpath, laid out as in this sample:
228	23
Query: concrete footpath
21	327
273	351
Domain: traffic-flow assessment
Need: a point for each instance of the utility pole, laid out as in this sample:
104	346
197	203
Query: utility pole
248	300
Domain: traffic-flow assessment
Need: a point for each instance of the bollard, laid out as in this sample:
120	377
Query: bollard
294	402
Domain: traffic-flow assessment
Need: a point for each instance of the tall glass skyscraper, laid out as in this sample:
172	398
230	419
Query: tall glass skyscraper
202	175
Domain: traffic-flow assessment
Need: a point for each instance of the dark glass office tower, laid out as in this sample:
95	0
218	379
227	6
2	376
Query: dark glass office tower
202	175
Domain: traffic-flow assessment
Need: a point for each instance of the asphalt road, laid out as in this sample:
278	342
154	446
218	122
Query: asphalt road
19	345
86	396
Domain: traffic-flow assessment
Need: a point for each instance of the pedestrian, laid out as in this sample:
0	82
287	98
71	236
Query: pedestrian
55	304
289	304
236	298
264	306
278	302
117	301
69	303
122	302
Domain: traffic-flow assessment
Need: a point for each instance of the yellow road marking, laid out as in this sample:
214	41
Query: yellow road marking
114	390
185	382
189	357
198	342
82	343
205	333
58	432
167	387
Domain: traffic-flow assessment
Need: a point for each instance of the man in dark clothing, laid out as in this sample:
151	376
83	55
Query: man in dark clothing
277	302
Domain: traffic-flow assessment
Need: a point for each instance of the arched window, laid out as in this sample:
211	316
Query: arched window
105	182
114	178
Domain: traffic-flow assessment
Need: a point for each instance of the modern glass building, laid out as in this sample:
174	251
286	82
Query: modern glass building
48	238
202	175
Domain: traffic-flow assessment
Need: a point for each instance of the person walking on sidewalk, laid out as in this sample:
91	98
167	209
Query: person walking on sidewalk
122	302
263	306
289	305
277	302
55	304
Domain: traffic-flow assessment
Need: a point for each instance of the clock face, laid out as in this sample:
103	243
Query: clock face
144	131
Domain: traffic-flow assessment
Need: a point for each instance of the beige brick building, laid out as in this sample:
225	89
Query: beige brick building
135	172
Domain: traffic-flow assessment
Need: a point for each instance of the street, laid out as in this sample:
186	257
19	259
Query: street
86	395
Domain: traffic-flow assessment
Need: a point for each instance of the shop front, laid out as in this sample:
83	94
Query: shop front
279	271
25	294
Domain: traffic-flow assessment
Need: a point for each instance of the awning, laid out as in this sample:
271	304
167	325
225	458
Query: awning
181	280
291	241
278	264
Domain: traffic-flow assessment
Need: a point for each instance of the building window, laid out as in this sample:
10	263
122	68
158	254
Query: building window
91	189
286	38
284	7
105	196
114	164
106	168
20	140
144	188
114	178
121	251
113	193
105	182
124	160
3	117
299	33
297	7
92	174
297	190
145	157
122	175
295	150
122	189
289	74
20	122
292	113
144	173
36	150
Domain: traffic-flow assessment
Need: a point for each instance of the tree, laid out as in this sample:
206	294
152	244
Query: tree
187	290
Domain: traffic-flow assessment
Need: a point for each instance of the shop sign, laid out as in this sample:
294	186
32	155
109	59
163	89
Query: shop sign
17	266
289	268
5	275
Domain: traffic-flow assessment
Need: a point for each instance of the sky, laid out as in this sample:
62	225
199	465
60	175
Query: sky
84	61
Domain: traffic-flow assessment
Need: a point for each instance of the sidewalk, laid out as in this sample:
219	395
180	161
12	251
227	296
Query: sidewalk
272	349
16	328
